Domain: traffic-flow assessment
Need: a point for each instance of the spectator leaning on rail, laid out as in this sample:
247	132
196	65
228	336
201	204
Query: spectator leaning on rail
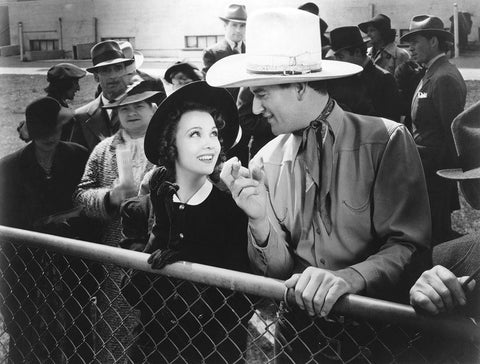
441	289
193	221
383	51
370	92
438	99
93	123
113	173
63	84
40	299
329	204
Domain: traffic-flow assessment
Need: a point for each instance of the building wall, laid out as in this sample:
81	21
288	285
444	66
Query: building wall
159	27
4	26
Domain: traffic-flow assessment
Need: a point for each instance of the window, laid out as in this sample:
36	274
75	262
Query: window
201	41
43	44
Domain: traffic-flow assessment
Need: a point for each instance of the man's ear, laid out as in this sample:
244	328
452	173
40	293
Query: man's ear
95	77
300	88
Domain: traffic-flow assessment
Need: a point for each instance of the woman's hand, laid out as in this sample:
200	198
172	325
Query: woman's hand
120	193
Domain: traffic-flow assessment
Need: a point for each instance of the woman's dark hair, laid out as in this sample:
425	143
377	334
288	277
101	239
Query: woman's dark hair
167	149
191	73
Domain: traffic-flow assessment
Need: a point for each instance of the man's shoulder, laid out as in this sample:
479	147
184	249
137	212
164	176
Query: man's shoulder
219	47
88	108
364	129
275	150
11	159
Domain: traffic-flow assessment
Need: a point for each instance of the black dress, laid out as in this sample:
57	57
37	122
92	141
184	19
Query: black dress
180	321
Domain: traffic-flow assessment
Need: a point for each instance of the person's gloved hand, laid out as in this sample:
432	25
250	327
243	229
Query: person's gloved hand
161	257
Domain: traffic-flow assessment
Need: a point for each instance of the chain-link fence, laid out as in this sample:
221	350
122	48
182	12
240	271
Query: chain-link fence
58	306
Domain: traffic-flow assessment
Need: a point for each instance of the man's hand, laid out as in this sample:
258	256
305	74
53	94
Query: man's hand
248	189
439	290
317	289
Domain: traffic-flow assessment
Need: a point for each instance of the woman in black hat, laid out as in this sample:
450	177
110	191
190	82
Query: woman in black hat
384	52
182	73
194	221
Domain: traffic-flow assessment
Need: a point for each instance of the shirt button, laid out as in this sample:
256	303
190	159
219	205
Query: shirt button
180	235
322	261
182	206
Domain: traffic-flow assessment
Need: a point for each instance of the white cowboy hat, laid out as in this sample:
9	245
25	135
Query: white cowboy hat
283	47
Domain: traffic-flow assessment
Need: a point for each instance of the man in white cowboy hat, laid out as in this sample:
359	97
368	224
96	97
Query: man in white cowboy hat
93	123
234	21
330	206
438	99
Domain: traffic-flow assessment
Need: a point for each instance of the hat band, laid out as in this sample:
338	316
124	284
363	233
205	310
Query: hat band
277	64
469	159
107	56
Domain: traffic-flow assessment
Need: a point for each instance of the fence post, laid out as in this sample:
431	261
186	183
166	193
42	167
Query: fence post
455	29
20	39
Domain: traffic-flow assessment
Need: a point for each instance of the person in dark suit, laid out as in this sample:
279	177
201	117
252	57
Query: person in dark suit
371	92
234	20
438	99
92	122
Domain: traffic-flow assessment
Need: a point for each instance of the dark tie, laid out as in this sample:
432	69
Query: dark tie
114	121
237	48
317	138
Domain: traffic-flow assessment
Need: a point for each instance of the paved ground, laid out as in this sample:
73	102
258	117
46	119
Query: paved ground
469	65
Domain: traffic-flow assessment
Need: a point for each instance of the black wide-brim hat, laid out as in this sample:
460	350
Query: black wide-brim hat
198	92
178	67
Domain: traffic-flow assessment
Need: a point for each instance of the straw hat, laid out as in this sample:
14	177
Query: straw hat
283	47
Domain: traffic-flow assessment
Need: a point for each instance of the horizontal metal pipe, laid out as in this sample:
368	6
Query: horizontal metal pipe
351	305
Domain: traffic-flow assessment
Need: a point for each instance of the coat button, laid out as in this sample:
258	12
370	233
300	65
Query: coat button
322	261
180	235
181	207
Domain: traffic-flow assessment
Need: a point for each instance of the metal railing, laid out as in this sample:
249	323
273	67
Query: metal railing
189	312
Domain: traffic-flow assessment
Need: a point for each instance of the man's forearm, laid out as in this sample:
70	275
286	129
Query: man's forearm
260	229
353	278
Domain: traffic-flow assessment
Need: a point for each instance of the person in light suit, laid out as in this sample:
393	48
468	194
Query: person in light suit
438	99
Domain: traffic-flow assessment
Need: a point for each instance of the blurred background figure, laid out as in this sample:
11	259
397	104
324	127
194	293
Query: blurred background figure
182	73
383	51
234	20
371	92
63	84
42	308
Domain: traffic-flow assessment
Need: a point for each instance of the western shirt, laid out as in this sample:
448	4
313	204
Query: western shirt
379	207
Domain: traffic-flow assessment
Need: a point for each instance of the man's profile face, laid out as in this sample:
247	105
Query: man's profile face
234	31
112	80
471	191
277	105
421	48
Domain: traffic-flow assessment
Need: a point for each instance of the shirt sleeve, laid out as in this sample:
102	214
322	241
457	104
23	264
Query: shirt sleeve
400	214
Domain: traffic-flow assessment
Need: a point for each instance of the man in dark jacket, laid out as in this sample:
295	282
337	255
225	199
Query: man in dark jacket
371	92
438	99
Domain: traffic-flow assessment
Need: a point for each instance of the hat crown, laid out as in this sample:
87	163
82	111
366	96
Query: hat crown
345	37
426	22
235	12
466	134
295	48
63	71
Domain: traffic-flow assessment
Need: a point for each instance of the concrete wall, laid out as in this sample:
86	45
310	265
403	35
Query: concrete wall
4	26
158	27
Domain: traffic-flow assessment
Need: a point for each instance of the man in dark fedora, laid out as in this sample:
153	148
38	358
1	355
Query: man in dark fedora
313	8
234	21
371	92
330	206
442	288
438	99
383	51
92	122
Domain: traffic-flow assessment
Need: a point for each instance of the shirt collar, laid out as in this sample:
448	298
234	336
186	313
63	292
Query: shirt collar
432	61
232	43
199	196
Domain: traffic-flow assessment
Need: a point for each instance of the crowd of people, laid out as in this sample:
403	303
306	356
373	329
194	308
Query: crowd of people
329	162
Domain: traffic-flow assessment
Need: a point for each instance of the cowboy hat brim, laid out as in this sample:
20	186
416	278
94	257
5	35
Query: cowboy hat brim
127	62
438	32
232	72
198	92
459	174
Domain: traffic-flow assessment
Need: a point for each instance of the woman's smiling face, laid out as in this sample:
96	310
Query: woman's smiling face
197	144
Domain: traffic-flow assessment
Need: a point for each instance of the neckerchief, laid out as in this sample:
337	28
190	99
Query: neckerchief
317	146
